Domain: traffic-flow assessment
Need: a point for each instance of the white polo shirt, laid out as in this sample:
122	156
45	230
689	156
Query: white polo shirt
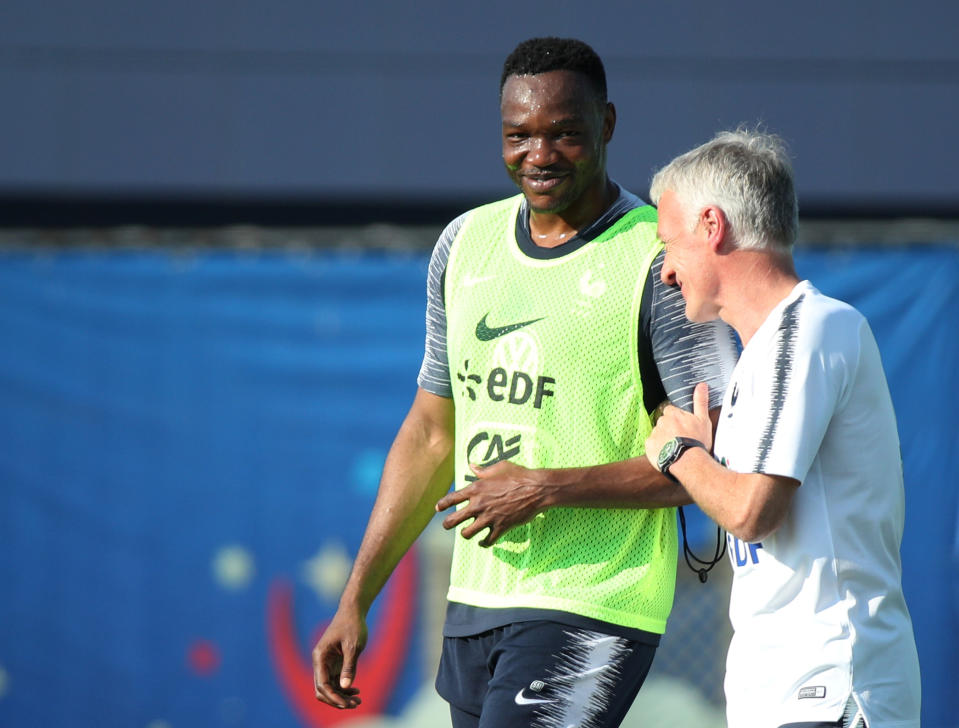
817	607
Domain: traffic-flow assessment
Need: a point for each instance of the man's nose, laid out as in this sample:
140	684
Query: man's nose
541	152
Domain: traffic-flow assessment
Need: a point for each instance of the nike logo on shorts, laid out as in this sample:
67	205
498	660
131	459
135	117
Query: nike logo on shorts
521	699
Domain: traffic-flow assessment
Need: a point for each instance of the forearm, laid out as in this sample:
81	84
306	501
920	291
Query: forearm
630	483
750	506
633	483
417	472
710	485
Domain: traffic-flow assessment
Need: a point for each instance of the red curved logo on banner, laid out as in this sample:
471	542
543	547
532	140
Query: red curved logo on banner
379	665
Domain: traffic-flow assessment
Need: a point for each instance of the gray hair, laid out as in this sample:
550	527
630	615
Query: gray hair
747	174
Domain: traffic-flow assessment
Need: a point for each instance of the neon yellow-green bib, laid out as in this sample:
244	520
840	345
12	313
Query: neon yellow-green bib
543	363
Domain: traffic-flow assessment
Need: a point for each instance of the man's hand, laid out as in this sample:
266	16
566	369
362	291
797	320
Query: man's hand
334	660
504	496
675	422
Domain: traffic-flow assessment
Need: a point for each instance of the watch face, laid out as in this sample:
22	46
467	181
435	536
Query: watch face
666	454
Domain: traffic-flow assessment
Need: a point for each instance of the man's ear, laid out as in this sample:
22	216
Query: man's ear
609	122
716	225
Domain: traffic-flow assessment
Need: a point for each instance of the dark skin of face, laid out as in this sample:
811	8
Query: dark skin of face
555	132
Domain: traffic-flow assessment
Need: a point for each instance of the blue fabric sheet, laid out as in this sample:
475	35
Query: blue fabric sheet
187	435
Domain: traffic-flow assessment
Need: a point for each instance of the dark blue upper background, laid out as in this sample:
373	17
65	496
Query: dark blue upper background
383	101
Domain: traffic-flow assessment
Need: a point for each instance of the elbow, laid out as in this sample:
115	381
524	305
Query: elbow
752	526
440	441
749	533
762	507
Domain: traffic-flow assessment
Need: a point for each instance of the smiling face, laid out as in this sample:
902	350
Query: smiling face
687	258
555	131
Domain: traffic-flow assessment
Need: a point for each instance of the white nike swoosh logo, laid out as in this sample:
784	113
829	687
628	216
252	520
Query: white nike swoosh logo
523	700
471	281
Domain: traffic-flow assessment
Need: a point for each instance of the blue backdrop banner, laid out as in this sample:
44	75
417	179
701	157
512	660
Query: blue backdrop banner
191	444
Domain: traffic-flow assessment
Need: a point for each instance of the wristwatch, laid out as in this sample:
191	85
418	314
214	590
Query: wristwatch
672	451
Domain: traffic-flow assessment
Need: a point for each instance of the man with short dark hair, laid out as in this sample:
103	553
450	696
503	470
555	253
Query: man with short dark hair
550	340
806	475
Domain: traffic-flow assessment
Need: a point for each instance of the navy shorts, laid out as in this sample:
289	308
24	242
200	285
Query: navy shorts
541	674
